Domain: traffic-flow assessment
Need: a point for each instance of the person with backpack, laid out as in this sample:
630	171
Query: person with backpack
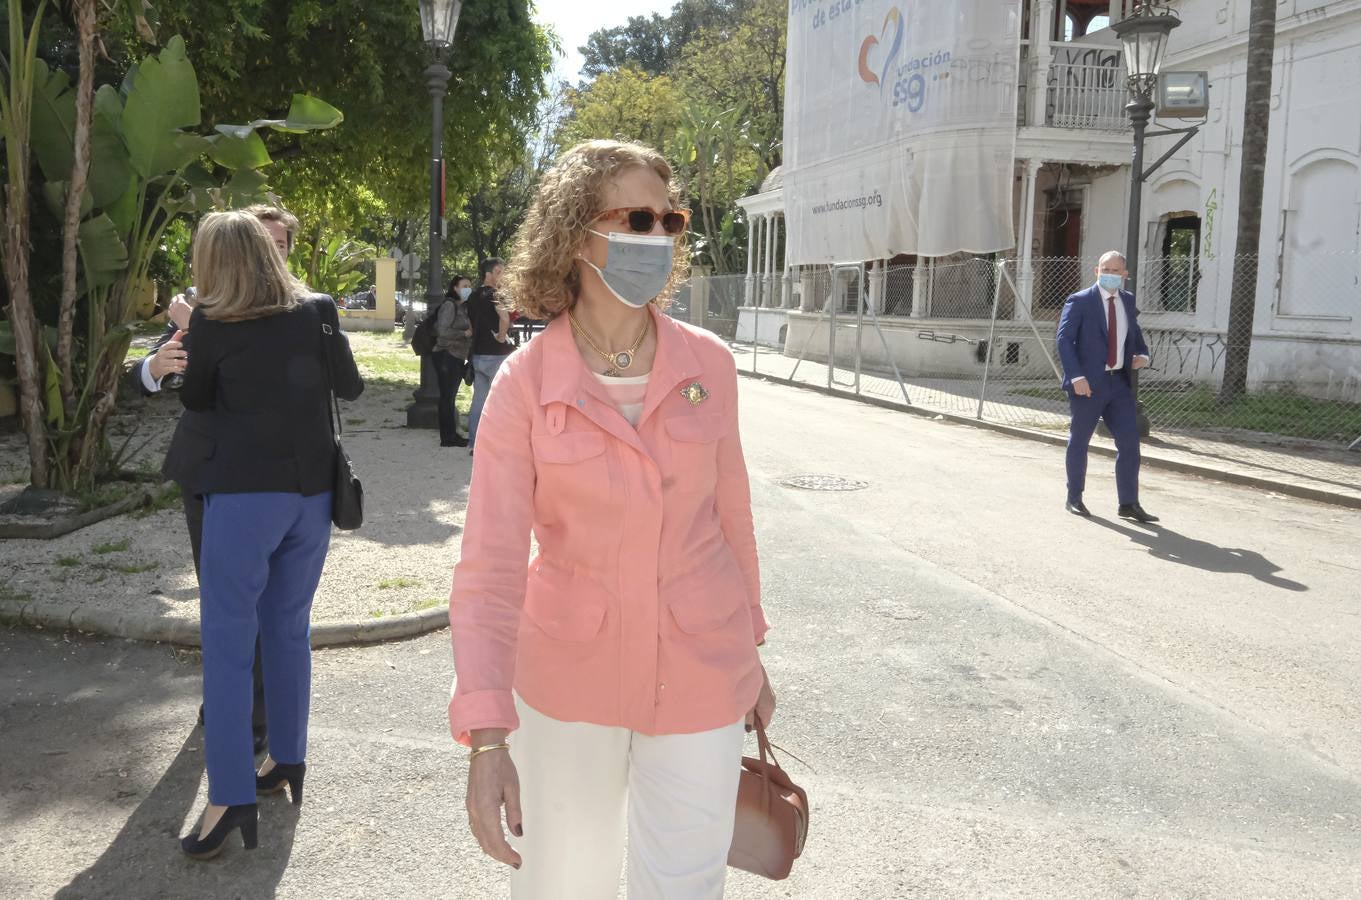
453	340
490	343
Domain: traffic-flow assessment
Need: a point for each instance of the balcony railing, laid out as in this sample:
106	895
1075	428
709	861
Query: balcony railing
1083	97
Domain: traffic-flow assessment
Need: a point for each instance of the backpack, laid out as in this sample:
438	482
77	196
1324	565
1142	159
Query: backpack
424	336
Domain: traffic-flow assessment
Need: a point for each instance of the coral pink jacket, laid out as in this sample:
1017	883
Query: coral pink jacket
643	607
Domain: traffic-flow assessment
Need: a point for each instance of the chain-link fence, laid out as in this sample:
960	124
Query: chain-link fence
977	337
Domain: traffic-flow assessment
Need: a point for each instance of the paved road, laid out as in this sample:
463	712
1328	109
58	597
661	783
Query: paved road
996	699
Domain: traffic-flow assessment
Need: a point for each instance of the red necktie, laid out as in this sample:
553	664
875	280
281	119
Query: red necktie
1112	348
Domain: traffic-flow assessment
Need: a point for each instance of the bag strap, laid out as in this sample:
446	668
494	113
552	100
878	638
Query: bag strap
767	748
327	335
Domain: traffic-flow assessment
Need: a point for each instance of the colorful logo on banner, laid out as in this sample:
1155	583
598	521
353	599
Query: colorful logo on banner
893	21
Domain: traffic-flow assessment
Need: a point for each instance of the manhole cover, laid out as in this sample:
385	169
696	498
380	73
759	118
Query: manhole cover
824	483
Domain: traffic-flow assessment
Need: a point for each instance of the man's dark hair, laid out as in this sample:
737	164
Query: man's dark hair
484	268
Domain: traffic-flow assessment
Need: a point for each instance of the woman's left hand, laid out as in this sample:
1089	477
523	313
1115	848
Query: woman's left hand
765	704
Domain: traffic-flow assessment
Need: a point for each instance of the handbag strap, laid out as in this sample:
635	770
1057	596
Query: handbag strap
327	335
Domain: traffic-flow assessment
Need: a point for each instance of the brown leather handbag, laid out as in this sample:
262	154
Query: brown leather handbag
772	816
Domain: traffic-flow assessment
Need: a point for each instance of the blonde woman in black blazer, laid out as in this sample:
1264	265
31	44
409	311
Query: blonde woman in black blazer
262	453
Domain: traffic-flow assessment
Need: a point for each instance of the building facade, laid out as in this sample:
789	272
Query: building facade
1073	145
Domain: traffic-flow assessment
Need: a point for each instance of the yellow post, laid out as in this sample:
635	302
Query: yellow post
385	286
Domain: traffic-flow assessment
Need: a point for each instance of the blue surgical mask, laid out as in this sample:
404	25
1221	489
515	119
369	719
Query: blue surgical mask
464	293
1110	282
637	266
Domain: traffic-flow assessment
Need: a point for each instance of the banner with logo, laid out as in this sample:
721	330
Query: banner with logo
900	128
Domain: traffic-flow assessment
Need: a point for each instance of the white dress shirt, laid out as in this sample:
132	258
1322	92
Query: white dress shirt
151	384
1121	329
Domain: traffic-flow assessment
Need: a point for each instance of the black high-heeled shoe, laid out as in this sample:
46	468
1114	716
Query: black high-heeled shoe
273	782
244	817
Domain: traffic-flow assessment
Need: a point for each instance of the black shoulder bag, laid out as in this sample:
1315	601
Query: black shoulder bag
347	493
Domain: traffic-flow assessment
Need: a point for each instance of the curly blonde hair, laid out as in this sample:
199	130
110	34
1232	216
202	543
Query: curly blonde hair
542	280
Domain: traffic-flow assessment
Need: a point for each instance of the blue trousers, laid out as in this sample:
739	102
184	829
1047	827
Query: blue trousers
1111	400
262	560
484	370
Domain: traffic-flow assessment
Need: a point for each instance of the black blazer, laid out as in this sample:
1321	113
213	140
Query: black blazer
256	403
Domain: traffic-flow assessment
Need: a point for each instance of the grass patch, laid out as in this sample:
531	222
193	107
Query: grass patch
354	421
1273	412
388	584
384	359
68	562
166	498
378	613
9	594
432	603
136	568
107	494
112	547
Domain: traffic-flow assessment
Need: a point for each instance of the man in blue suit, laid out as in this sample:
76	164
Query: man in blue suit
1100	343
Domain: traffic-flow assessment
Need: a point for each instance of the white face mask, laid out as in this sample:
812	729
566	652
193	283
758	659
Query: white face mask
464	293
637	266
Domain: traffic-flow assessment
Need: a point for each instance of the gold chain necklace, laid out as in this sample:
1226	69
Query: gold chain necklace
618	361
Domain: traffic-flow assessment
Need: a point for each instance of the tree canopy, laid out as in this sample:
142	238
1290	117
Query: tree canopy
366	57
706	87
654	43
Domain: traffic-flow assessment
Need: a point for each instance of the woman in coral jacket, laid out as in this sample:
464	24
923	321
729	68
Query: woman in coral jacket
603	687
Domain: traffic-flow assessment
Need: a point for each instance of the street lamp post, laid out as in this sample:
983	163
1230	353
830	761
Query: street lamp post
1144	35
439	20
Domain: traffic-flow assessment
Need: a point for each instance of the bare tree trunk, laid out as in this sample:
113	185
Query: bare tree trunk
17	107
1256	119
25	325
80	173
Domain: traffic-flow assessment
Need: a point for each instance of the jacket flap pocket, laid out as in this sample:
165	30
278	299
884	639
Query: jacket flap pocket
698	613
696	429
568	447
562	616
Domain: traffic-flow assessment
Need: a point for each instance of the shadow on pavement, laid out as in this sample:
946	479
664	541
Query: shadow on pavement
144	859
1164	543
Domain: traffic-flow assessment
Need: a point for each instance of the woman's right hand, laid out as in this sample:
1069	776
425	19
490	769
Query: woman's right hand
492	784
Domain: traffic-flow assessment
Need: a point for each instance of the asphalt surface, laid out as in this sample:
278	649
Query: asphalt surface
994	698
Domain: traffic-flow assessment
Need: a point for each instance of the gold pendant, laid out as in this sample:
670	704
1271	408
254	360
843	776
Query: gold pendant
622	360
695	393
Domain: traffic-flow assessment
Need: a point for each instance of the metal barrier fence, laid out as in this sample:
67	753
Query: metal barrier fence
976	337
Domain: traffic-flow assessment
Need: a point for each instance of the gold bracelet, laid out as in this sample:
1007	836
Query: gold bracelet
480	750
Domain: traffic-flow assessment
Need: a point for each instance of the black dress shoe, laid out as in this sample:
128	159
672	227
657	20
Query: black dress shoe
244	817
456	442
1136	512
1077	508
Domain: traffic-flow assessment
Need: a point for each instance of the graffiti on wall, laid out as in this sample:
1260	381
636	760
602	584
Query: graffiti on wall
1179	353
1207	226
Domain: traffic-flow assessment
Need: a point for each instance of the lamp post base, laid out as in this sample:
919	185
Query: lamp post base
424	409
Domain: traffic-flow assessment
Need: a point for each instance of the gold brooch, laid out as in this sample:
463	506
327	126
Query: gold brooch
695	393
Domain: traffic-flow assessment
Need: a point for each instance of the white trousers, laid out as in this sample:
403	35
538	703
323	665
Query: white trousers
579	786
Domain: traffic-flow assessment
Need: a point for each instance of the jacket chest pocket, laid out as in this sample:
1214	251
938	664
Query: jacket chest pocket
694	451
572	464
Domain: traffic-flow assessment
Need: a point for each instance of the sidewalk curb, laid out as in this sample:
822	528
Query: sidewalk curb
59	615
1149	459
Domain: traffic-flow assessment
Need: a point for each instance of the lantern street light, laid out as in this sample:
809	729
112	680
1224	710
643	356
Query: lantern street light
1144	35
439	20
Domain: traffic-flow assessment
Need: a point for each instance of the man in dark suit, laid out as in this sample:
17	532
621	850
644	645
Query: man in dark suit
170	356
1100	343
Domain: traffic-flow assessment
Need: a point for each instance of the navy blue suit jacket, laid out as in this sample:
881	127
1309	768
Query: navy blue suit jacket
1082	340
